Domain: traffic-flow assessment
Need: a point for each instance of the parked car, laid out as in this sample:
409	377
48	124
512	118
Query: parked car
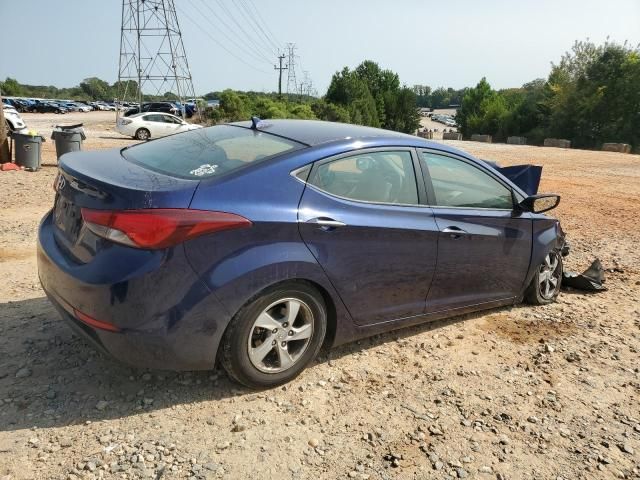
48	107
164	107
83	107
70	106
12	118
255	243
144	126
189	109
18	104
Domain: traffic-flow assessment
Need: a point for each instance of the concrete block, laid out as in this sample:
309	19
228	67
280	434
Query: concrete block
517	140
481	138
616	147
557	142
451	136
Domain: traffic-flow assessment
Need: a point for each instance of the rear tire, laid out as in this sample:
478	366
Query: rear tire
275	336
545	284
143	134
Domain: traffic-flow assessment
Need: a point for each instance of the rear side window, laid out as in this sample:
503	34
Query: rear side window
459	184
208	152
378	177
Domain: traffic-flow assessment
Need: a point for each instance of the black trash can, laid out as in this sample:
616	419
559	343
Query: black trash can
28	150
68	138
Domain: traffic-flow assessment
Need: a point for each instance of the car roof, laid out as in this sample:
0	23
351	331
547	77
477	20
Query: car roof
146	114
315	132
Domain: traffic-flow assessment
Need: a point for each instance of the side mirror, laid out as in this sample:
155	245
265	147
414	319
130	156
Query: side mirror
540	203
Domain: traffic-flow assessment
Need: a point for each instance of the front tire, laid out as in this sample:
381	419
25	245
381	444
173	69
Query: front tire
143	134
275	336
545	284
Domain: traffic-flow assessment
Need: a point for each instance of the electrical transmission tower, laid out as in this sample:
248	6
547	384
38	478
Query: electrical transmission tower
292	84
153	60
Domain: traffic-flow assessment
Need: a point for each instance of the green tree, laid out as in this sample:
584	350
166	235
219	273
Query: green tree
330	111
233	107
96	89
11	88
593	95
470	116
373	96
265	107
302	111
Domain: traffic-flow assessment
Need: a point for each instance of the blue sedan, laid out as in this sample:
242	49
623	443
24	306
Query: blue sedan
254	244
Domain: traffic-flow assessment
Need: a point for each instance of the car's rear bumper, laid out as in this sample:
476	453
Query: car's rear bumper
165	316
125	130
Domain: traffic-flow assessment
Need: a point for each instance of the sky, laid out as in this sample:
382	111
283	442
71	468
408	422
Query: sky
446	43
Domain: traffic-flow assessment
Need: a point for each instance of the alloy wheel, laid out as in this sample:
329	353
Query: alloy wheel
142	134
280	335
549	276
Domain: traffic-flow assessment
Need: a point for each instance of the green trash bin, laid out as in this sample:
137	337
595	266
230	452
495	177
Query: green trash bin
68	139
28	150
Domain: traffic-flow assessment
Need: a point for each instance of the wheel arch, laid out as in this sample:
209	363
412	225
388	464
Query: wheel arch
547	236
329	302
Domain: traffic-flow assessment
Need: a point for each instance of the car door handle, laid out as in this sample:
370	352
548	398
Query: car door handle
455	232
326	222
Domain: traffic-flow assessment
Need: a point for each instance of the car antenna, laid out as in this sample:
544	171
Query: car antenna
255	123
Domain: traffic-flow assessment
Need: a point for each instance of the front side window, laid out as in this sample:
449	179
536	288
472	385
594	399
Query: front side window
378	177
460	184
207	152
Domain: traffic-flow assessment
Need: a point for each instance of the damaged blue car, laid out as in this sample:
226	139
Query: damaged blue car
253	244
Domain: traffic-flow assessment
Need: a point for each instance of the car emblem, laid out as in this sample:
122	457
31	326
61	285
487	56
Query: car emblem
60	183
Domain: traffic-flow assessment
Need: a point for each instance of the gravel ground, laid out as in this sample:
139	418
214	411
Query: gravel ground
516	393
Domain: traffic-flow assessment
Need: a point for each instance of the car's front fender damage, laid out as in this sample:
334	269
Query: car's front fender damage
547	236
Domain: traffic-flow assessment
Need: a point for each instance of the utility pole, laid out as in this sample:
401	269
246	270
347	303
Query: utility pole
4	142
281	68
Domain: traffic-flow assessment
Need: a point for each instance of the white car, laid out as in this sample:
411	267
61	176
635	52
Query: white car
12	118
144	126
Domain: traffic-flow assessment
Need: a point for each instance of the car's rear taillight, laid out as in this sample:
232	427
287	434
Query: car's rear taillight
92	322
160	227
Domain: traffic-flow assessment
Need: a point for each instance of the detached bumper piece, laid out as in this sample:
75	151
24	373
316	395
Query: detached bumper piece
591	280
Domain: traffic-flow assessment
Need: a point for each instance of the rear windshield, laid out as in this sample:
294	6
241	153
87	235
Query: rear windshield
208	152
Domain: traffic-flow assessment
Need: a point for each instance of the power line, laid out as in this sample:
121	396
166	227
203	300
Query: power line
260	30
248	50
275	42
239	25
222	45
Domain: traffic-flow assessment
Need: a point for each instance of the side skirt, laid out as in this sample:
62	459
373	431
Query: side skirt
388	326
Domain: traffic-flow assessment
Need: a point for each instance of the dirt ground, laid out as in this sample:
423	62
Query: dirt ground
516	393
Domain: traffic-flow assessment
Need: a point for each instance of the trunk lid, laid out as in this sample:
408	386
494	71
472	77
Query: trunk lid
105	180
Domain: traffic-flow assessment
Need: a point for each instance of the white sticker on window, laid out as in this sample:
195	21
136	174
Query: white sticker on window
203	170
